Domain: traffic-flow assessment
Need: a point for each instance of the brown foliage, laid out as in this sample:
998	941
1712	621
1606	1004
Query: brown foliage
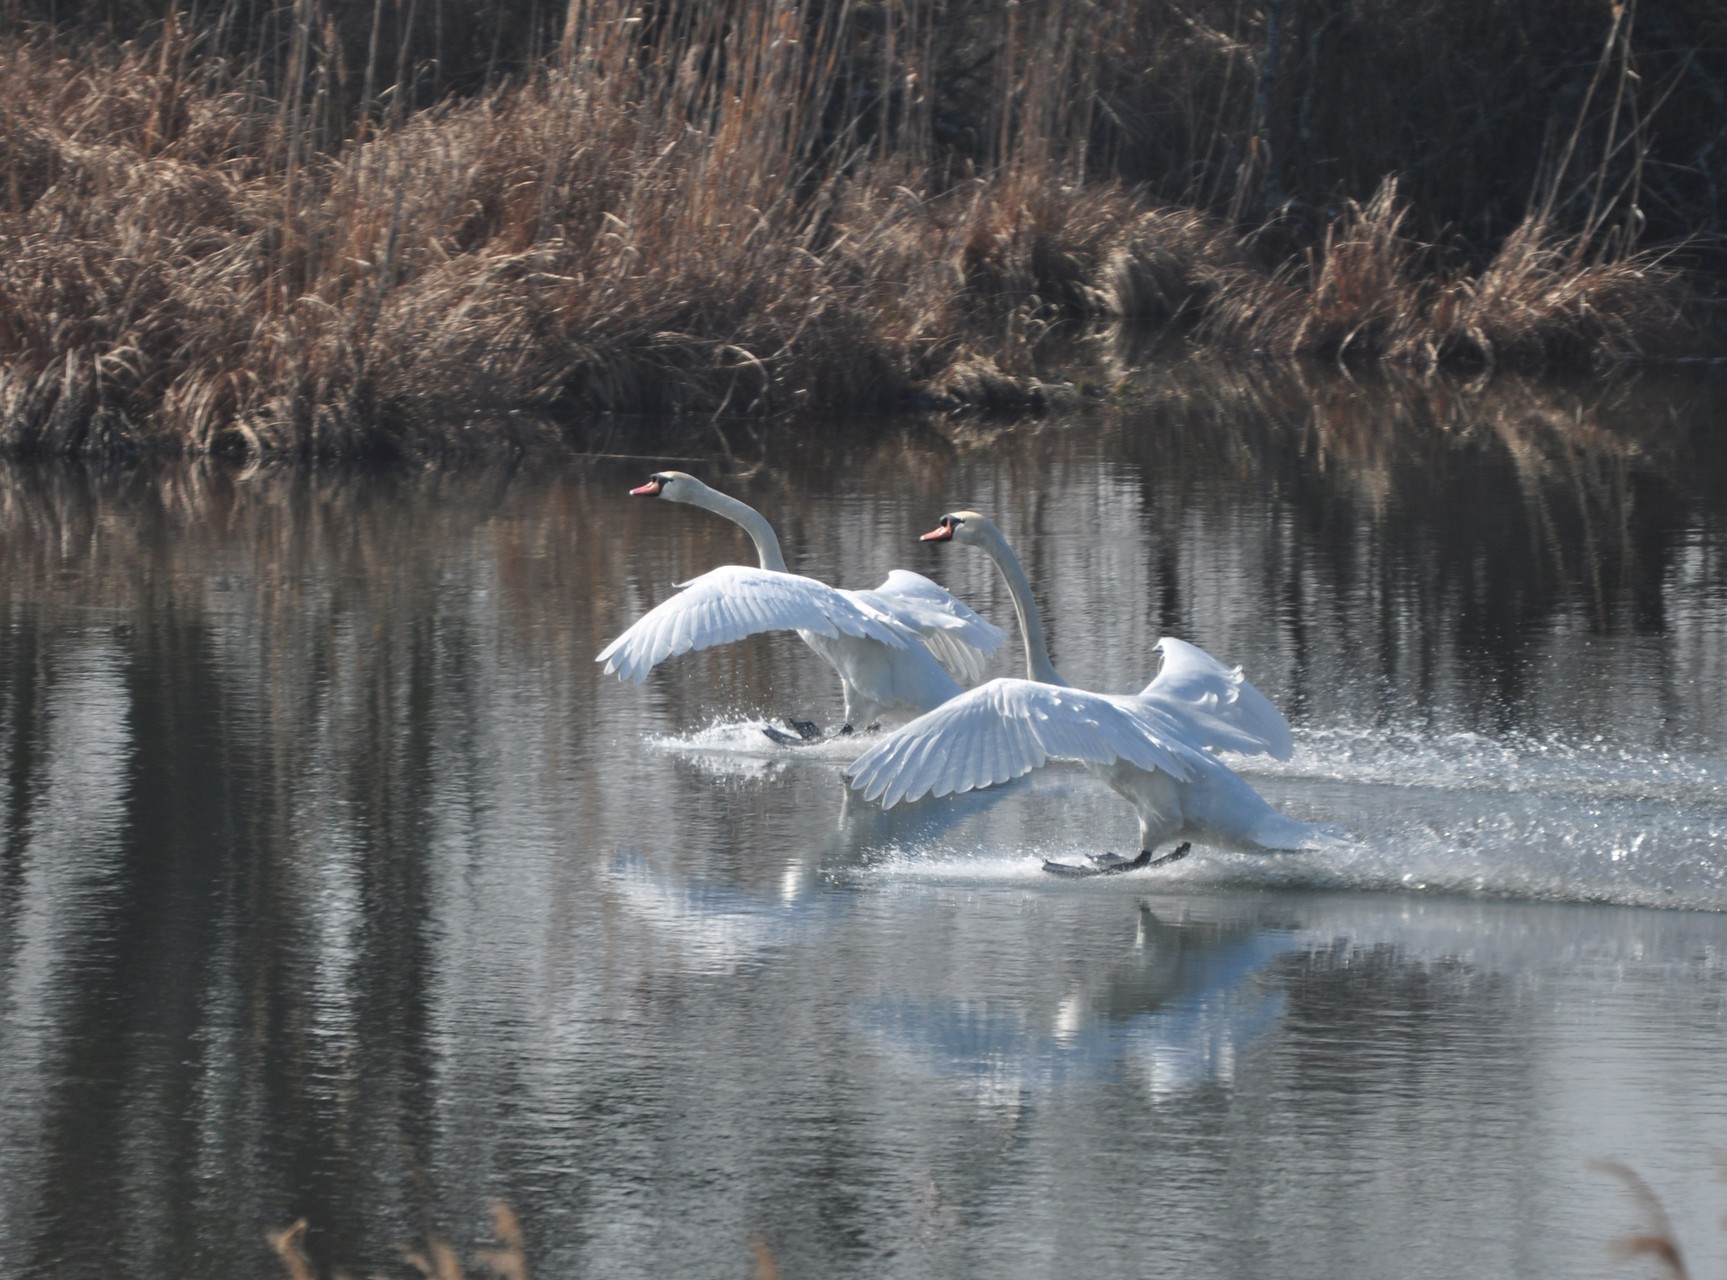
1366	291
680	210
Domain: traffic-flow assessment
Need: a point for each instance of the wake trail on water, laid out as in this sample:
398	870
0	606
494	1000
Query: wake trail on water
1604	821
1603	767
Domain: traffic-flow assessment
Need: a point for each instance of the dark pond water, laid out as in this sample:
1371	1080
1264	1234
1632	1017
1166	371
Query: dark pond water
336	882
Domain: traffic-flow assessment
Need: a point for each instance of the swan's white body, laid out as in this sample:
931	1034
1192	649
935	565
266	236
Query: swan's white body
889	645
1154	748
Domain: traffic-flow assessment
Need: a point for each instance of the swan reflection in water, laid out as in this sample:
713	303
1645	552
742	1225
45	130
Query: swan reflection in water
1176	1009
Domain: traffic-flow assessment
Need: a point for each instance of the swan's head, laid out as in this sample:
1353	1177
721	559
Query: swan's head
963	526
673	486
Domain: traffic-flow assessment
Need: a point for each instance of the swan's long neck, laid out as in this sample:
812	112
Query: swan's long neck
753	522
1037	663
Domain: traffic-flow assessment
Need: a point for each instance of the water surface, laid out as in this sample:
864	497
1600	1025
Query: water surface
336	881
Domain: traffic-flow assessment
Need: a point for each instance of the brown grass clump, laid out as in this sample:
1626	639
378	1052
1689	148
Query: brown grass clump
1546	299
555	249
1366	292
544	253
282	235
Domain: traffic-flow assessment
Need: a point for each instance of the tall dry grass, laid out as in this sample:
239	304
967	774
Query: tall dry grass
1654	1241
507	1260
296	246
1368	290
622	233
437	1260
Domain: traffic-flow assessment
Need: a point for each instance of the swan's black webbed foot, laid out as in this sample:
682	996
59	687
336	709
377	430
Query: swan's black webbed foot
1102	864
804	731
1174	855
1110	864
845	731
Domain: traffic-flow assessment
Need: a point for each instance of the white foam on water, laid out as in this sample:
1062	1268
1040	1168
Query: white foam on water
744	742
1434	814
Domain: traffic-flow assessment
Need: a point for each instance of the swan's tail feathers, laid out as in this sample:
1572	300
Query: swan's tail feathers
956	637
1218	701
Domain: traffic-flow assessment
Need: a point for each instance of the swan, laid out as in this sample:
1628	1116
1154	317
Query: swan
1154	748
899	650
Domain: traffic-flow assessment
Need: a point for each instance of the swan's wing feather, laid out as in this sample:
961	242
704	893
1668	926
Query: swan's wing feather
735	601
1226	712
1005	728
958	637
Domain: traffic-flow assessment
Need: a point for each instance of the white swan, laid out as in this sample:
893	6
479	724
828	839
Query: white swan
1153	747
889	645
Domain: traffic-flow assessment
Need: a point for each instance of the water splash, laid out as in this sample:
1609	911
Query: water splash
1424	813
740	746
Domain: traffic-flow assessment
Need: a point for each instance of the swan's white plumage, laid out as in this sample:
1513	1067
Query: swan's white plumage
1153	748
899	649
960	640
734	601
1221	705
1008	727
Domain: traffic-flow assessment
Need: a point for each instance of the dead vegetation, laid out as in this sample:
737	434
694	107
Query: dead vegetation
706	210
439	1260
436	1260
1654	1240
1368	291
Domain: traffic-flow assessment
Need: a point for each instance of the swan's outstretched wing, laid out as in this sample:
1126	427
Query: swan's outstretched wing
1007	727
958	637
735	601
1226	712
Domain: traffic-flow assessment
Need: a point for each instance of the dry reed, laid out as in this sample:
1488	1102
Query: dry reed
1366	291
1656	1241
725	209
437	1260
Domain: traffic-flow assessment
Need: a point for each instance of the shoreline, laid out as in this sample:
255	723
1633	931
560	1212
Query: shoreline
204	256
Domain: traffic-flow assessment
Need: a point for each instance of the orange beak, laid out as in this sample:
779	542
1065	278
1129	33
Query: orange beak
649	490
941	533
